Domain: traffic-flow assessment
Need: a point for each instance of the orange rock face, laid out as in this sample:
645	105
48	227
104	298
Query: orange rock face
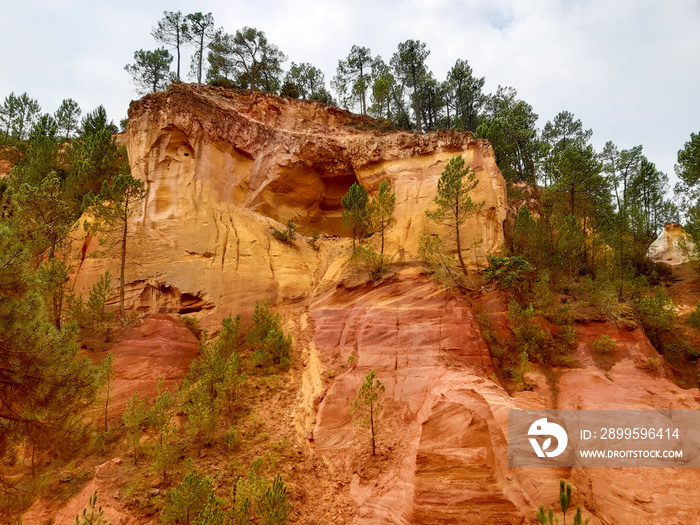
442	454
442	440
223	168
286	158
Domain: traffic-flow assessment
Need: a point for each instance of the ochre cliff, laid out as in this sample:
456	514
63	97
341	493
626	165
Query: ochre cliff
225	167
291	159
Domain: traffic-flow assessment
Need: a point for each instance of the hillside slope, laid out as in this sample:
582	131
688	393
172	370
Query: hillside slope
225	167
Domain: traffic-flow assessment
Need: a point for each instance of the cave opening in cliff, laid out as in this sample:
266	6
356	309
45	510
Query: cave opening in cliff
330	206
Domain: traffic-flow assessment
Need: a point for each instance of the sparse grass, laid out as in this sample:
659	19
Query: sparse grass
694	317
649	364
192	324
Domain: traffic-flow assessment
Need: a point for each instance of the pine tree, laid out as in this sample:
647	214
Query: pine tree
158	416
546	517
106	376
113	208
150	70
353	78
18	114
269	342
453	200
409	67
354	214
92	515
172	30
200	33
367	406
381	209
234	378
578	519
273	507
213	513
564	497
202	414
135	418
186	501
53	278
45	385
67	118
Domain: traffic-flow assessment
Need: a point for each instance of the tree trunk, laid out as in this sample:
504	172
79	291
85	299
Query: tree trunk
354	234
177	46
459	251
371	426
382	252
106	407
199	65
417	110
122	312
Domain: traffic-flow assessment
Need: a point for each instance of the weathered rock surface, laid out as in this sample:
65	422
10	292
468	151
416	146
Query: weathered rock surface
443	441
443	446
287	158
673	246
223	168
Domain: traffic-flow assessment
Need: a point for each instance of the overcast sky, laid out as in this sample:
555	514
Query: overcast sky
627	68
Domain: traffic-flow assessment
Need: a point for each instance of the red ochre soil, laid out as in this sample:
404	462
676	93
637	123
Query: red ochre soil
442	446
442	440
160	347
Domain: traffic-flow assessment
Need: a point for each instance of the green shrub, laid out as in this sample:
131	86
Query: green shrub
604	345
520	372
656	314
315	234
273	508
604	297
370	260
650	364
267	339
92	515
92	314
289	235
567	334
192	324
135	418
564	315
214	513
538	341
510	273
234	378
201	415
164	450
529	336
187	500
440	262
232	439
249	490
542	296
694	317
